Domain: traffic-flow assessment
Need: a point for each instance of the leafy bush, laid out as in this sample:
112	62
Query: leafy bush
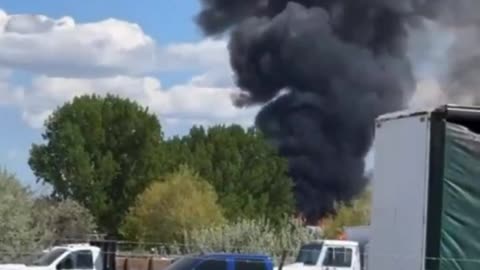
64	220
250	236
19	235
181	201
30	224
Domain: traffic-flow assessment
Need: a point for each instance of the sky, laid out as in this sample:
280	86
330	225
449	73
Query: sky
150	51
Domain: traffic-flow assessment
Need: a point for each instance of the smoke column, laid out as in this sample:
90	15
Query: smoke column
323	70
460	82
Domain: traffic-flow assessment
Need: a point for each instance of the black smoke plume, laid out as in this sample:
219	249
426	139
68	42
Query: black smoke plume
323	69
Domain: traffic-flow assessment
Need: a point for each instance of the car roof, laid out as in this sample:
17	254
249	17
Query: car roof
254	256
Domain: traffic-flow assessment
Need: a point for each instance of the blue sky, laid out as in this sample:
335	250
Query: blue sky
155	17
33	82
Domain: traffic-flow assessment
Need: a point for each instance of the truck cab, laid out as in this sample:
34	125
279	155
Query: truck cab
64	257
222	261
95	255
75	256
328	255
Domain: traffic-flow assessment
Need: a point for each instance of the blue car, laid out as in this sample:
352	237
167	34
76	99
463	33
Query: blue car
223	261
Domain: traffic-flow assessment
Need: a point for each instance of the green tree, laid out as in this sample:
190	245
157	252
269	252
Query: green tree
181	201
355	213
19	235
249	176
101	152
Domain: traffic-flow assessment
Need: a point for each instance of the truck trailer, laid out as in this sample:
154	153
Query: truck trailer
426	197
426	190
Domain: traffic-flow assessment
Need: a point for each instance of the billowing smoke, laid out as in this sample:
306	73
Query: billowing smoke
457	62
323	70
460	81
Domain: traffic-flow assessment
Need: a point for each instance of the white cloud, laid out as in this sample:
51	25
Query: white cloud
69	59
207	53
194	102
61	47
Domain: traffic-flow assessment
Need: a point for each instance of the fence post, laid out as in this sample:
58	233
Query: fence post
150	263
282	260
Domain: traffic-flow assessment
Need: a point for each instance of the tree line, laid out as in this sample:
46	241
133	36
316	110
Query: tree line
109	155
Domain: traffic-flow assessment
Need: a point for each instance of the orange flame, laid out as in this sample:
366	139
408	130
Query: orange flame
342	236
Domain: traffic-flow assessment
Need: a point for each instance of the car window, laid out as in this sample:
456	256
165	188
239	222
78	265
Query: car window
245	264
309	253
212	264
338	257
82	259
66	263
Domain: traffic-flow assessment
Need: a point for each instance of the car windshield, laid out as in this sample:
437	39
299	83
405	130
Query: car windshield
49	257
309	253
185	263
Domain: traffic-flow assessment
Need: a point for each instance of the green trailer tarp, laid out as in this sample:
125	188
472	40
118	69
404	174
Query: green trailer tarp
460	207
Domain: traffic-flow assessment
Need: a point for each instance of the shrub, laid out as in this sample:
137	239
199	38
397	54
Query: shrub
250	236
28	224
19	234
64	220
181	201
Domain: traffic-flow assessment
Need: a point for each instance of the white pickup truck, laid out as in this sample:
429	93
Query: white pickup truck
328	254
72	256
346	254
